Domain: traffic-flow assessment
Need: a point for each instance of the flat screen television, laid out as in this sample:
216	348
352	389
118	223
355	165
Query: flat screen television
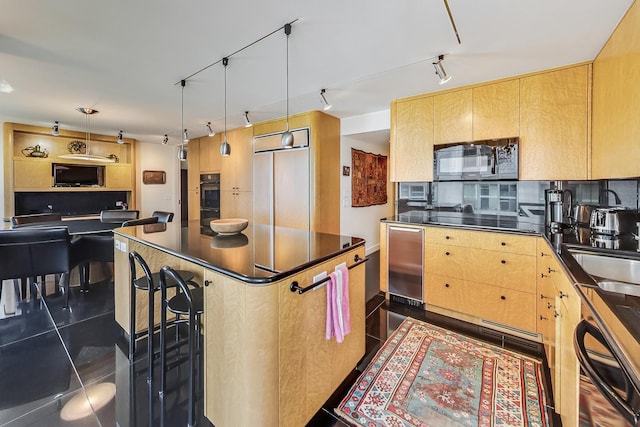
68	175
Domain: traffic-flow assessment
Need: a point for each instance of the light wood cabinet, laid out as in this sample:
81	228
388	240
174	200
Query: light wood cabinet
496	110
193	179
411	145
32	174
236	204
505	306
209	155
452	117
236	170
118	176
486	275
554	124
616	129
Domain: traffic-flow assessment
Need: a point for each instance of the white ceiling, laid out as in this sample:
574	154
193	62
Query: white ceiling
125	57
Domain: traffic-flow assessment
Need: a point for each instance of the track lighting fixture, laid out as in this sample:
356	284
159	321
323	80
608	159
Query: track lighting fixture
120	140
182	153
165	140
287	136
210	131
225	148
440	71
324	101
55	129
247	122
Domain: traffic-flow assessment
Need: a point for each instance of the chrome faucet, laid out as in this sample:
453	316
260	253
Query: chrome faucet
615	195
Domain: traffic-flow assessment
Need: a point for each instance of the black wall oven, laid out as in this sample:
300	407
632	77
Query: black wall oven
209	200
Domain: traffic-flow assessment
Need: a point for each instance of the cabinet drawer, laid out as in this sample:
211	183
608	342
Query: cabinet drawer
505	306
507	270
503	242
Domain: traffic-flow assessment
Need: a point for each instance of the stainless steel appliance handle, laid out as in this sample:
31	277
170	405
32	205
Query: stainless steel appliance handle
622	405
410	230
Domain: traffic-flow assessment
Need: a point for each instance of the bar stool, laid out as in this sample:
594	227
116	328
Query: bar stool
186	302
149	282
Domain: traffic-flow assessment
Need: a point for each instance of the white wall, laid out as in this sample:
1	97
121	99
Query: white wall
370	133
160	197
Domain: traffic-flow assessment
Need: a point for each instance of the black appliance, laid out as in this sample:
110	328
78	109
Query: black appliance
209	201
482	160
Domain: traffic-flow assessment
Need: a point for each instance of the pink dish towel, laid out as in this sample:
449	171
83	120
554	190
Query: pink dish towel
330	297
342	292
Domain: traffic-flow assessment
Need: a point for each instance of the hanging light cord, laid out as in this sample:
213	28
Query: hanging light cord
237	51
183	84
287	31
87	123
225	62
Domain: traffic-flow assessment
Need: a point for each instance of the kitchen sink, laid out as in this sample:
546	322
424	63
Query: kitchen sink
613	274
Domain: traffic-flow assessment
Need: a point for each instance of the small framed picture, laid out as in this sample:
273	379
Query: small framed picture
346	171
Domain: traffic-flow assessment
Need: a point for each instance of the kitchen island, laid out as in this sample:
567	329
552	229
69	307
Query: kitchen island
266	359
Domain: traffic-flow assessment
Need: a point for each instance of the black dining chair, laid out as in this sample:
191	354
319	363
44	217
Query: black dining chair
21	220
85	249
118	215
163	216
34	252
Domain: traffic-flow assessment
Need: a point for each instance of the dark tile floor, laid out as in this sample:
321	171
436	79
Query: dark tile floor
62	367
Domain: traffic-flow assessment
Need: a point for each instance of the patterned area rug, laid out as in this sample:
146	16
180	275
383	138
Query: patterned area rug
428	376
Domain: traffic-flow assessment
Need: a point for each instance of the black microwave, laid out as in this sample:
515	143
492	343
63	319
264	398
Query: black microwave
491	160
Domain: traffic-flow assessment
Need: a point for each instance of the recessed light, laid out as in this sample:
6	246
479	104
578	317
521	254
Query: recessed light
5	87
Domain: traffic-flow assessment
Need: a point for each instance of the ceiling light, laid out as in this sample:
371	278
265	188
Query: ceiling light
247	122
87	154
120	140
55	129
165	140
5	87
324	101
225	148
209	129
182	153
287	136
440	71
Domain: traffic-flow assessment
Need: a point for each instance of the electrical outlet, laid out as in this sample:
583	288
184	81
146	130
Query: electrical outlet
119	203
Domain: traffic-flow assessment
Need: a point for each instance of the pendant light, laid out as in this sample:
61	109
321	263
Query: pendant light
87	111
182	153
225	148
287	136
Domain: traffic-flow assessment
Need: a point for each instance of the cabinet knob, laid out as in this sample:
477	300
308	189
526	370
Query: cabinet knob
503	243
446	285
207	282
563	295
542	275
556	314
446	253
551	270
543	318
447	237
549	305
502	297
503	261
543	254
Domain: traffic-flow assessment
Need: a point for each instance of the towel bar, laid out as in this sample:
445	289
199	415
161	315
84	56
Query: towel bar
295	286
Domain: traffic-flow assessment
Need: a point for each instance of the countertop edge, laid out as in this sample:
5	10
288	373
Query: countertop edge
244	278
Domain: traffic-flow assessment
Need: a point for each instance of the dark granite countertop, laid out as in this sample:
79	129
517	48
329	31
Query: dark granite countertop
260	254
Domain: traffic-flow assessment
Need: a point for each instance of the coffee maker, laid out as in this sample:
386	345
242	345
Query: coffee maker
554	209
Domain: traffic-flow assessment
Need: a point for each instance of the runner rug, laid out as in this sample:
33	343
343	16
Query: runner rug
429	376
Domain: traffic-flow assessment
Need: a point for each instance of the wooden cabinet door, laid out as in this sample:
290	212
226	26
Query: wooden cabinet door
119	176
615	127
210	154
452	117
194	204
31	174
411	146
193	165
496	110
554	125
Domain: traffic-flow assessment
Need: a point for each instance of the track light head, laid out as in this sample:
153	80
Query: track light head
324	101
209	129
120	138
247	122
185	136
55	129
182	154
440	71
165	140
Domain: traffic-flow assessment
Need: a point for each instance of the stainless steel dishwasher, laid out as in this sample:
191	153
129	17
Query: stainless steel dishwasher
405	248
